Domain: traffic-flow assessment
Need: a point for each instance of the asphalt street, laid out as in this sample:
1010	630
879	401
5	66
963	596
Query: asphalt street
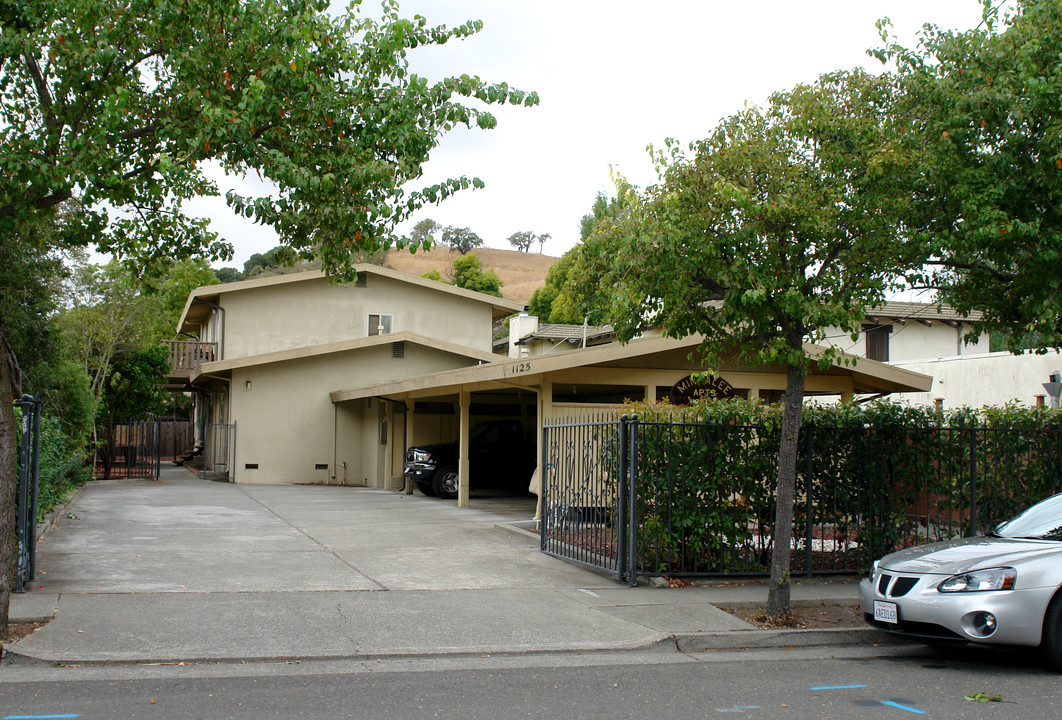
850	682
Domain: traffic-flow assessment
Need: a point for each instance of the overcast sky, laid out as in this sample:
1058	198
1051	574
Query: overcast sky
613	78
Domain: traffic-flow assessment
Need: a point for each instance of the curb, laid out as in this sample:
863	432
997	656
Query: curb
766	639
662	643
679	642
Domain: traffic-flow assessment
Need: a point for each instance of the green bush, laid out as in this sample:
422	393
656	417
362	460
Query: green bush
882	476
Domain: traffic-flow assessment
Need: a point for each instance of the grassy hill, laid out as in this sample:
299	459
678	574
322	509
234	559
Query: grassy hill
520	273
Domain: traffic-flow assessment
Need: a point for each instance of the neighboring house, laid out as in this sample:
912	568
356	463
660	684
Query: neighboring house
298	380
894	332
527	338
899	331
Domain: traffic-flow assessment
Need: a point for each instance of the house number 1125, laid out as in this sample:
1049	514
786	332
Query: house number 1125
521	368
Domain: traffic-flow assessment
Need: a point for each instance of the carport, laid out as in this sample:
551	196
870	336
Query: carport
593	379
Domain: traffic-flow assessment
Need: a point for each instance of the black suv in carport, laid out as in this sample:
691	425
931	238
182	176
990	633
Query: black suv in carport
499	456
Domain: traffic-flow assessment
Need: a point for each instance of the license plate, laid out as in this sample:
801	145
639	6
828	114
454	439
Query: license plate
886	612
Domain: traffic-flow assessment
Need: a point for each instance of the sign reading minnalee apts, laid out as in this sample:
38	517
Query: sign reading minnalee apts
689	388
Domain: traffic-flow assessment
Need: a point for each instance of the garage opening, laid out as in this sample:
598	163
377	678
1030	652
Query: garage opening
502	449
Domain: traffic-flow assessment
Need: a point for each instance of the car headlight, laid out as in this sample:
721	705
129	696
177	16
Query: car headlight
980	581
421	456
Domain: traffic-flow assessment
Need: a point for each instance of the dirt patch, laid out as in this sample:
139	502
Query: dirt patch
522	273
803	618
17	631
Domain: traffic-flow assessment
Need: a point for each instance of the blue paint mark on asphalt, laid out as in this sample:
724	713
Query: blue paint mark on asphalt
39	717
836	687
890	703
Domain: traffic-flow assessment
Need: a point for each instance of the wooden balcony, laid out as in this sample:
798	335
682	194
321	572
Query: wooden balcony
186	356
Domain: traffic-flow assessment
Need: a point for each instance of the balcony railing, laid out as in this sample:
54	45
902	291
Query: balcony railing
187	355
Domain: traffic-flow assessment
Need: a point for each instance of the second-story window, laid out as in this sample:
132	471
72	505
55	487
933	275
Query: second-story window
878	342
381	324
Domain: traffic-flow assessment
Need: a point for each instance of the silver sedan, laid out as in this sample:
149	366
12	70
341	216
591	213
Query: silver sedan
1004	588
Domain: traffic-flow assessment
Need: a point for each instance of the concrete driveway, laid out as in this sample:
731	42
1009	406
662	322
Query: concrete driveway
187	569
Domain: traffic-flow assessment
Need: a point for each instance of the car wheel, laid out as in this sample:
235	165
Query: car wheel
444	483
1052	633
426	488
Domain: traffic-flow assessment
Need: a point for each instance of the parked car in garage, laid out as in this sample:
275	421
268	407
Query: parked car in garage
1004	588
500	455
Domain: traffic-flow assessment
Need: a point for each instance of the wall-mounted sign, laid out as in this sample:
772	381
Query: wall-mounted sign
688	389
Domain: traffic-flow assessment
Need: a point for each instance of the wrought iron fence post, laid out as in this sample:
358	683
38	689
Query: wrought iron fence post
35	481
25	523
809	476
543	489
632	504
622	524
973	481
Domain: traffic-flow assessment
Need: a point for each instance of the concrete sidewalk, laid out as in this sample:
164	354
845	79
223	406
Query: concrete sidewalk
188	570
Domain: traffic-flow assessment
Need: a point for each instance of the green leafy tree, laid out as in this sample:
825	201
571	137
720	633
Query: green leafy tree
462	240
553	302
180	278
228	275
107	317
122	105
607	209
433	275
573	291
523	240
469	274
423	233
779	224
985	137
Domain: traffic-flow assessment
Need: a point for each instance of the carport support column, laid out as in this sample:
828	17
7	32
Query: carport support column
545	411
411	405
462	450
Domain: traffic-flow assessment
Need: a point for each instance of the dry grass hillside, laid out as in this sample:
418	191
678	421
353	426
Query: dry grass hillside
520	273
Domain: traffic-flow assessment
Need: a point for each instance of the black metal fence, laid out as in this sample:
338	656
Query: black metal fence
132	449
28	483
690	499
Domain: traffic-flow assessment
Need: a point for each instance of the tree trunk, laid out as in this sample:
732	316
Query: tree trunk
778	594
9	444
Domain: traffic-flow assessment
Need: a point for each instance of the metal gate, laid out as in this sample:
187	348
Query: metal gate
28	479
588	500
132	450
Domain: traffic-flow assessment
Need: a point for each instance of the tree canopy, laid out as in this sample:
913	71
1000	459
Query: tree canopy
523	240
983	114
778	225
469	274
463	240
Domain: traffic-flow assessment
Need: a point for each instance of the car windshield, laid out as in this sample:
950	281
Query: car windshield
1043	521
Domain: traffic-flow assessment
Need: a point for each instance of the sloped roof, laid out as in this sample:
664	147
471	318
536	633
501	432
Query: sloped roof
556	332
203	296
868	376
898	310
223	368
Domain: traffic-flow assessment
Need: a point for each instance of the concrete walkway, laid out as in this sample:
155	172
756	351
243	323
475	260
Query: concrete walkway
188	570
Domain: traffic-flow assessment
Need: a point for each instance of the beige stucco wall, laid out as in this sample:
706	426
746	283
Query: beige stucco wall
314	312
286	424
990	379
